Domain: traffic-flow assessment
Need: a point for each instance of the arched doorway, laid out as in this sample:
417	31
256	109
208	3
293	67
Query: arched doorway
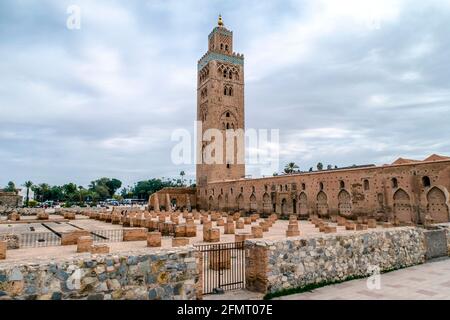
253	204
173	203
240	202
402	206
220	202
266	203
345	203
322	204
437	207
274	202
228	205
303	204
283	206
211	203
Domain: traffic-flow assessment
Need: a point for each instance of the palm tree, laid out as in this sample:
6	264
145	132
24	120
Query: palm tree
28	185
81	193
182	174
320	166
44	189
290	167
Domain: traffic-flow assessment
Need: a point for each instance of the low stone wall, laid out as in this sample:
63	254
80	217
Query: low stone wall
165	274
10	199
296	262
446	227
11	239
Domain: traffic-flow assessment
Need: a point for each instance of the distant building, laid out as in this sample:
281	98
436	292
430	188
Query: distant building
23	194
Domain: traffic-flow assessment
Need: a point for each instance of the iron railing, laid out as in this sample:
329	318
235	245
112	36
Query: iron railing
223	266
50	239
113	235
38	239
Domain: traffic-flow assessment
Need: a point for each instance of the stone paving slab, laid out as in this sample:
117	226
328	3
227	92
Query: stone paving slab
423	282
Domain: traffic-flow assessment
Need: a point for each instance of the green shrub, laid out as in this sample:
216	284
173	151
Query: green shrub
32	203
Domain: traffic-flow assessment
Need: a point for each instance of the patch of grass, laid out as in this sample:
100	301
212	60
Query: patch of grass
312	286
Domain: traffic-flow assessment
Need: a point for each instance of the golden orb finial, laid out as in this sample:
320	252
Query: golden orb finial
220	22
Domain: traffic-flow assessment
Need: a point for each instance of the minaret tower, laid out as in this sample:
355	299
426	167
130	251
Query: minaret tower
220	105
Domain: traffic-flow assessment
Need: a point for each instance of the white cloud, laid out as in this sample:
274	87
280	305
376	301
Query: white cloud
345	81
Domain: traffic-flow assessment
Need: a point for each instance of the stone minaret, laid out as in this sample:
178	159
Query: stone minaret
220	105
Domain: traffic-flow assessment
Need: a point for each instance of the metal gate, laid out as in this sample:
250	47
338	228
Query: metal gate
223	266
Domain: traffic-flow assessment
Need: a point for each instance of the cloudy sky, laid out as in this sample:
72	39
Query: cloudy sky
346	82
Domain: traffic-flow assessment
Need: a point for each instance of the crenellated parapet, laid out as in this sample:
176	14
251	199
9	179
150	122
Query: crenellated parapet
235	58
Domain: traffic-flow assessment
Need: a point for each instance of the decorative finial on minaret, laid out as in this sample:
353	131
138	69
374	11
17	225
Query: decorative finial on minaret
220	22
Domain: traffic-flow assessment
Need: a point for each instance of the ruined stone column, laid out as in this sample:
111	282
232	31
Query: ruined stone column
154	239
188	202
168	204
3	247
292	230
84	244
156	204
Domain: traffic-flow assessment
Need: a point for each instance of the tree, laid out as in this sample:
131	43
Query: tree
70	192
290	167
105	187
81	192
143	189
11	187
113	185
329	167
182	174
126	192
320	166
56	194
275	174
28	185
311	169
336	167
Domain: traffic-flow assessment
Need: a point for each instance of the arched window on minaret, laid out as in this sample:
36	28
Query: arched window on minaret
230	92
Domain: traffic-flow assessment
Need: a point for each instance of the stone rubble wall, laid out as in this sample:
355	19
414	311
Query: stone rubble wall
10	199
294	263
166	274
13	241
446	227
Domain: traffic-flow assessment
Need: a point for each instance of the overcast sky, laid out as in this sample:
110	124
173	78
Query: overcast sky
346	82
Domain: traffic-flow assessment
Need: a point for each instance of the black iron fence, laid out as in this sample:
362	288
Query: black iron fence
50	239
38	239
113	235
223	266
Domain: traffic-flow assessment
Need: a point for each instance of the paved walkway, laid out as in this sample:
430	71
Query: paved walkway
427	281
422	282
